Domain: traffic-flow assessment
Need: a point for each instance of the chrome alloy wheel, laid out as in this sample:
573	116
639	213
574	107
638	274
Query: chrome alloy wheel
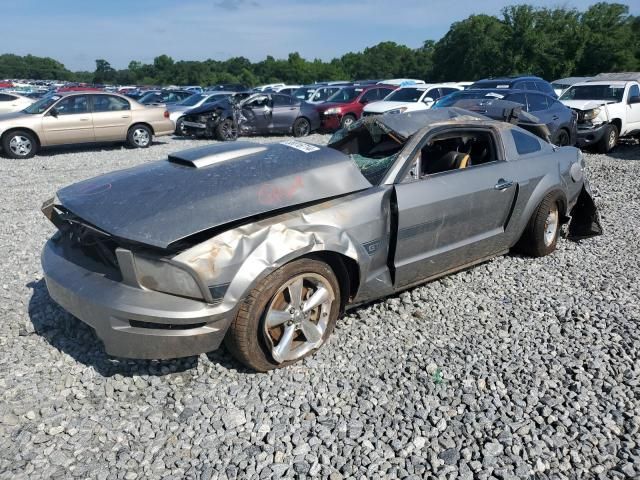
551	226
141	137
20	145
612	139
297	317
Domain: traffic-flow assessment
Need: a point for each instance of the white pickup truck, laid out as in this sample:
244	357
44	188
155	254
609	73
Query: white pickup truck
608	107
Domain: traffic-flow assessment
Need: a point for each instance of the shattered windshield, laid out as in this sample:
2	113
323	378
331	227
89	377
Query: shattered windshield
372	148
594	92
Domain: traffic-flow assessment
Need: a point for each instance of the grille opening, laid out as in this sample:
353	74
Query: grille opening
164	326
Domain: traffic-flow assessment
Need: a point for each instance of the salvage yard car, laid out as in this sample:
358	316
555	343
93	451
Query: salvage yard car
12	102
264	246
607	109
410	99
258	114
346	105
81	117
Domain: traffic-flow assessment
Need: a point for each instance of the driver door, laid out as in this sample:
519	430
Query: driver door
69	121
284	113
633	109
452	218
258	114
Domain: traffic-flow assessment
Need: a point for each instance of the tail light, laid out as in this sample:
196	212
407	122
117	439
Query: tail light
166	114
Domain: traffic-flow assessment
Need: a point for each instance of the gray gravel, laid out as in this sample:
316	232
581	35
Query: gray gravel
517	368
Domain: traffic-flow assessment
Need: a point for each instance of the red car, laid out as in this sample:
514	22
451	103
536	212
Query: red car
345	106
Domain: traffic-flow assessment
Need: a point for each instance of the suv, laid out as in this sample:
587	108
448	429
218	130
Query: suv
345	106
520	83
607	110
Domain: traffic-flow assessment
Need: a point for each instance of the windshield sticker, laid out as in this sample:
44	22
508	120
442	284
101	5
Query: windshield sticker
303	147
495	95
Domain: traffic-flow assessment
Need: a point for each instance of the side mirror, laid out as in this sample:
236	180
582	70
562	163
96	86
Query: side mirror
428	100
53	112
634	99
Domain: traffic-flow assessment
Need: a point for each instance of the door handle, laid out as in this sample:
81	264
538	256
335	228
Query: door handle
555	117
503	184
84	119
125	116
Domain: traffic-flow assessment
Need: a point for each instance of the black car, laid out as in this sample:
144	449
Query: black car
258	114
516	83
168	97
559	119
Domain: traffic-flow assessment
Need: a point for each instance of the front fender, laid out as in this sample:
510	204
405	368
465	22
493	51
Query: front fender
237	260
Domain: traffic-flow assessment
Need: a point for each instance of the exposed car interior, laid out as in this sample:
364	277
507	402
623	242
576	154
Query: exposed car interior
454	151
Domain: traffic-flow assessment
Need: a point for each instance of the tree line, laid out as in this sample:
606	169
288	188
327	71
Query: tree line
549	42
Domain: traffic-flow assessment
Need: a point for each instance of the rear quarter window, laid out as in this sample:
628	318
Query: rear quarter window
525	143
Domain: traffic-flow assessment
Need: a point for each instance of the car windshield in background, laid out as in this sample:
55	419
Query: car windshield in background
452	98
594	92
405	95
192	100
373	150
41	105
151	97
345	95
304	93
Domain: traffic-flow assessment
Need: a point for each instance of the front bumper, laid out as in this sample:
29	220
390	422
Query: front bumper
331	122
588	136
132	322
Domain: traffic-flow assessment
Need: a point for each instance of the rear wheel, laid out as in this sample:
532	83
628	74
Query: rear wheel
180	129
139	136
562	138
226	131
609	140
541	235
19	144
288	316
301	127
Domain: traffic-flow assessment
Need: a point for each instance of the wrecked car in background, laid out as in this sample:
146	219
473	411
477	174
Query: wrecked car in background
264	246
258	114
608	107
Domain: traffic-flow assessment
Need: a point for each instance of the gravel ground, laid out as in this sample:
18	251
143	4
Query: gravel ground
517	368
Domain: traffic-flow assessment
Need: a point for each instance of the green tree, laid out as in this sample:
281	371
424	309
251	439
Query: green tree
104	72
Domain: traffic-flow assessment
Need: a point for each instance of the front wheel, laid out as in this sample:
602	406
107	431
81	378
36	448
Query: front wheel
226	131
347	121
609	140
19	144
301	127
287	317
562	138
541	235
139	136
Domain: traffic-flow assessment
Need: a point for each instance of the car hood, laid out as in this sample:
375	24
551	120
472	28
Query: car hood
584	104
209	107
162	202
382	106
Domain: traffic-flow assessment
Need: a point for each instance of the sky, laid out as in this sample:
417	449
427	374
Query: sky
78	32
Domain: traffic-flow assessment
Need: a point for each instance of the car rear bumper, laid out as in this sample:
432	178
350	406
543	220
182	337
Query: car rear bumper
132	322
588	136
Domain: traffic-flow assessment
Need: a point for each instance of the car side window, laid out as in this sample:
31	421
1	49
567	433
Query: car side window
370	96
634	91
433	93
6	98
74	105
259	102
109	103
281	101
454	151
525	143
383	92
537	102
518	98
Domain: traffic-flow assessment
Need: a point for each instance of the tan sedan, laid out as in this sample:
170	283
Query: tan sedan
81	117
12	102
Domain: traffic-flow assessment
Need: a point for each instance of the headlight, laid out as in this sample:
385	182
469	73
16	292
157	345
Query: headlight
397	110
332	111
591	114
166	277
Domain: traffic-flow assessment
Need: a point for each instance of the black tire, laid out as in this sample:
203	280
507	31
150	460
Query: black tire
609	140
139	136
562	138
539	239
301	127
226	131
20	144
180	131
347	120
248	339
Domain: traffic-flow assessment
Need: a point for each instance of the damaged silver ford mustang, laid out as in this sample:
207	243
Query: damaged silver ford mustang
264	246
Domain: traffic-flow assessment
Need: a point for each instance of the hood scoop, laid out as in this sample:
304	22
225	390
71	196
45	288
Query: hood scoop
205	156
